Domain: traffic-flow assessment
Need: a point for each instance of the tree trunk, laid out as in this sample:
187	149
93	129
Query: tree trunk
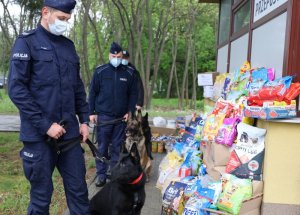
86	10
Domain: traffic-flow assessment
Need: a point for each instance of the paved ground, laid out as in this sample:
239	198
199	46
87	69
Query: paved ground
9	123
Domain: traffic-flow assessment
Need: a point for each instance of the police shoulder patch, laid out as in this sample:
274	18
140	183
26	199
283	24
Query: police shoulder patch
101	67
28	33
20	56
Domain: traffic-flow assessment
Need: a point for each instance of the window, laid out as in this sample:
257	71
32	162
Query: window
222	59
224	21
268	49
239	51
242	17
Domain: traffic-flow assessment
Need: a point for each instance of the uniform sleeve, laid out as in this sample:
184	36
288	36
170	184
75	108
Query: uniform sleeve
133	94
18	87
82	107
94	90
140	88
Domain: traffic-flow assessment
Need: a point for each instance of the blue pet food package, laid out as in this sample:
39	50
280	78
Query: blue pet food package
246	159
189	190
202	198
172	197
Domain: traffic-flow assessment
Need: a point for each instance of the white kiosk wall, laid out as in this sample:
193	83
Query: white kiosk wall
268	45
238	53
222	59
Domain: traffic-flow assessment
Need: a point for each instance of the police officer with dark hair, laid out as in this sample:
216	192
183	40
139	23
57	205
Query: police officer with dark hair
113	93
140	86
45	85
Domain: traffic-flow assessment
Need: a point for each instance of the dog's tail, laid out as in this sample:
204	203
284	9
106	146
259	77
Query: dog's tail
149	145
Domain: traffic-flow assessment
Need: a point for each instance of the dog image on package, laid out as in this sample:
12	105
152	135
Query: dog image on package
247	158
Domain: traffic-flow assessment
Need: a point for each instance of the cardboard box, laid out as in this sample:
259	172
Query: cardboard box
163	130
207	78
220	154
271	112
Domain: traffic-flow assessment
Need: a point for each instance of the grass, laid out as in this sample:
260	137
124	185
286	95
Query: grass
169	108
6	105
14	188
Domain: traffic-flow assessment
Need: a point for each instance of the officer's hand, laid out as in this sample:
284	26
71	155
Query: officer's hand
56	131
125	117
84	131
93	119
138	107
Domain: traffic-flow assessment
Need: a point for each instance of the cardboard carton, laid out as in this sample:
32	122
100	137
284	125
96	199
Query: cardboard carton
220	154
270	112
162	130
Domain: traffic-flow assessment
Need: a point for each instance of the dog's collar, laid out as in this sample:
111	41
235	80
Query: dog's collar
138	179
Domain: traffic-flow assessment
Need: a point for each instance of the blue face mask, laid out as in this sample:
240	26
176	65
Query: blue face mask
115	62
125	62
58	27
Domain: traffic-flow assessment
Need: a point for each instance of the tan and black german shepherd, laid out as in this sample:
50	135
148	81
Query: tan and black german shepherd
138	131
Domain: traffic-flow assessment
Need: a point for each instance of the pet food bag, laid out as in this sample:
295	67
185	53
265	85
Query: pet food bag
227	132
247	158
212	125
189	190
235	192
202	198
171	198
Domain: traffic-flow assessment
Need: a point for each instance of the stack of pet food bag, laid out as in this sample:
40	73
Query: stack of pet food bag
216	165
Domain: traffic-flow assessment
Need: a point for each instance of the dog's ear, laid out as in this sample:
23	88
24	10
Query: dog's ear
146	116
139	115
123	148
134	152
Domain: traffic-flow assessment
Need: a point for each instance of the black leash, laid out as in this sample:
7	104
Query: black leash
95	152
111	122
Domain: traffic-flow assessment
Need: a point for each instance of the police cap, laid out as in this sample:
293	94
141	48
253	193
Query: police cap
126	53
65	6
115	48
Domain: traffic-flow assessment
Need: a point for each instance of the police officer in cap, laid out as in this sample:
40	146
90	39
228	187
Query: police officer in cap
113	94
45	85
140	86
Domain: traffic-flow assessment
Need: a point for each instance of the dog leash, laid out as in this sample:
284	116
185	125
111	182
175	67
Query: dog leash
102	123
95	152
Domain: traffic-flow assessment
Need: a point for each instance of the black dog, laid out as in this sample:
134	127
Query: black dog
125	194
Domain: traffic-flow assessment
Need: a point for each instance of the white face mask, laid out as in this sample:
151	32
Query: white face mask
58	27
115	61
124	62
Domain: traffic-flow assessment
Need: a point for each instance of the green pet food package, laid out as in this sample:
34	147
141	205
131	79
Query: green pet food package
236	190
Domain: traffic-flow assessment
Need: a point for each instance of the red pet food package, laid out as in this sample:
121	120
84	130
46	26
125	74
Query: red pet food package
247	158
272	90
172	197
292	92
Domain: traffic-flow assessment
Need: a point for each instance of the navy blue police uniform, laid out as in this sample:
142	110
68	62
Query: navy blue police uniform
140	86
45	85
113	93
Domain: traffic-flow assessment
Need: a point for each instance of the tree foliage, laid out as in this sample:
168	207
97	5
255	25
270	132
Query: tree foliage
168	41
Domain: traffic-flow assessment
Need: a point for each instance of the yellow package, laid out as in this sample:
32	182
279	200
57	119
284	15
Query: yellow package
245	67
